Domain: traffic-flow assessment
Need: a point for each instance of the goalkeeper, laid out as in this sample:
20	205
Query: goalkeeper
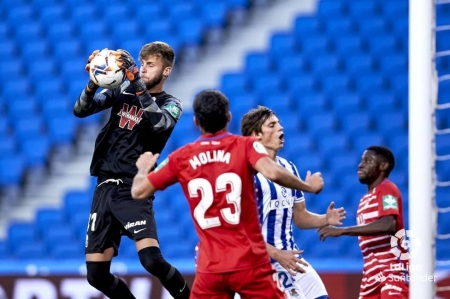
142	119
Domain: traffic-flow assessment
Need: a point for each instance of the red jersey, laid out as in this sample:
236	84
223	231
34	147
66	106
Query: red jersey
381	264
216	174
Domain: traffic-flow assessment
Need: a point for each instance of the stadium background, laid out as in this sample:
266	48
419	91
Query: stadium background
335	71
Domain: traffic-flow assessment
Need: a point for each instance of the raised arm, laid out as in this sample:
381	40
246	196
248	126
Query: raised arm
278	174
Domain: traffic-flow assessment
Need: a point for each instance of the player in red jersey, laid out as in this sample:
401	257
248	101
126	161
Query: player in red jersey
379	217
216	174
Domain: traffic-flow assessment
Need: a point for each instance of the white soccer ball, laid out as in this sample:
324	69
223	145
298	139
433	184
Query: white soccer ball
104	70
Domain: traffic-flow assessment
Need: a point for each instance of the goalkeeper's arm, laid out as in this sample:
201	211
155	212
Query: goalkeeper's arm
89	103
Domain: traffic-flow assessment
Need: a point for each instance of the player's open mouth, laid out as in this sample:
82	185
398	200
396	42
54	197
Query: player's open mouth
282	137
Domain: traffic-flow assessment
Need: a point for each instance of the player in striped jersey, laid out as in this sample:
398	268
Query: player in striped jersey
279	207
379	217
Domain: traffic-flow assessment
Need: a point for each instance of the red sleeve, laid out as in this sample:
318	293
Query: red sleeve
165	174
255	150
388	197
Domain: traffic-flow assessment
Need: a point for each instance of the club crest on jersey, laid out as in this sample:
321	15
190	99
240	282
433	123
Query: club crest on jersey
390	202
130	117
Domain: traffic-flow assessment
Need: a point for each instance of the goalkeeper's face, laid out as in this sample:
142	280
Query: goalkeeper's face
152	71
272	135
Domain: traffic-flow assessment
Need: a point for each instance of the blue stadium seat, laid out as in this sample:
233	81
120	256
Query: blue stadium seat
47	218
354	123
442	249
398	142
21	233
372	26
84	13
393	63
4	250
20	14
126	30
310	103
378	103
302	84
214	14
335	83
307	26
442	144
345	45
34	49
50	15
398	83
9	49
28	32
234	83
11	170
21	106
35	150
278	102
368	82
395	121
321	122
443	170
442	15
442	119
292	65
61	129
241	104
67	250
363	139
64	49
190	31
282	43
30	251
342	163
347	103
442	40
38	68
267	83
302	144
400	25
364	9
359	64
331	144
8	146
313	162
384	44
339	26
395	9
442	198
325	64
331	8
314	45
257	63
61	235
444	92
25	127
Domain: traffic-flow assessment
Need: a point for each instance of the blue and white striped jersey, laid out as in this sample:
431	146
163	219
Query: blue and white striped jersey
275	208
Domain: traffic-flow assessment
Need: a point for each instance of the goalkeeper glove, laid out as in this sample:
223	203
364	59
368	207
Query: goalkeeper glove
88	64
126	62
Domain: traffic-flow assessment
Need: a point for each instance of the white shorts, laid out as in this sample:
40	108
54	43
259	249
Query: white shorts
308	283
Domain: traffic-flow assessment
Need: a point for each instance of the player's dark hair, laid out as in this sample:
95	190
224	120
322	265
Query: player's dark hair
211	109
253	120
386	153
160	49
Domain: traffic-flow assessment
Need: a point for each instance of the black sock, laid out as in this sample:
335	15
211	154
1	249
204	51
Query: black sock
173	284
100	277
170	278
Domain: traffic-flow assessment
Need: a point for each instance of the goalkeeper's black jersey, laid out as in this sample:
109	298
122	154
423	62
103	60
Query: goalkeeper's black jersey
129	131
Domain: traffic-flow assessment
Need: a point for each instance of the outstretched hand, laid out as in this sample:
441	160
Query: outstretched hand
315	181
335	216
88	64
146	162
329	231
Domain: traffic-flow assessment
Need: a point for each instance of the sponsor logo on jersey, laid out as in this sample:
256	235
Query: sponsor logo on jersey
173	110
136	223
390	202
259	148
281	203
130	117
